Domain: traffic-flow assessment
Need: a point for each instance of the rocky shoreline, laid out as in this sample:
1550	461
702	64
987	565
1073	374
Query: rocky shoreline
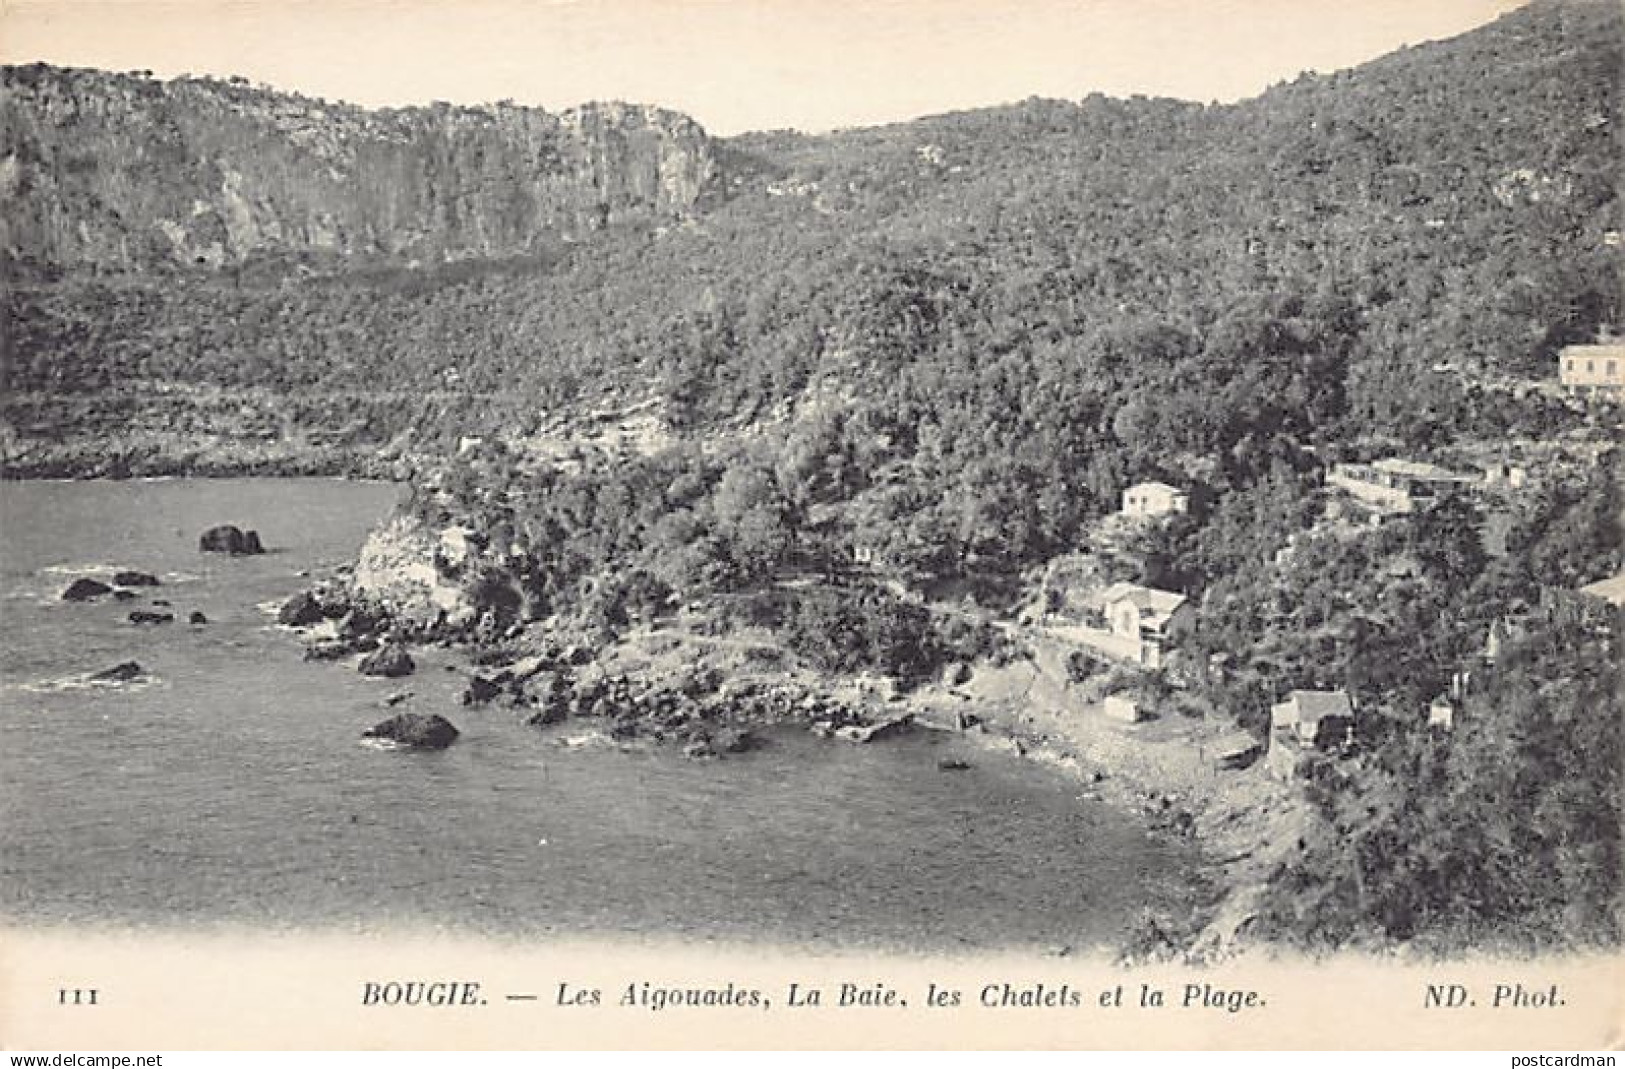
712	699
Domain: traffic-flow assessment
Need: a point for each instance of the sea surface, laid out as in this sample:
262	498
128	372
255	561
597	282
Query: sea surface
230	789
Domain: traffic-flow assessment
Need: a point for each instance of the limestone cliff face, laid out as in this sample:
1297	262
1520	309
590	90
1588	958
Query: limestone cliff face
402	570
118	172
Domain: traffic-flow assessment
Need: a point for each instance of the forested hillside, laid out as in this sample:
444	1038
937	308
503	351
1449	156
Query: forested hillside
946	347
1157	276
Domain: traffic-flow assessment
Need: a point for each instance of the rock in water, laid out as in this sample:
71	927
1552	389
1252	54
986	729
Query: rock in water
230	539
85	589
197	618
139	617
389	661
123	595
134	579
119	673
301	610
417	730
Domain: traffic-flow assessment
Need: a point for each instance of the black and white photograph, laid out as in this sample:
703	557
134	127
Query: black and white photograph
1069	493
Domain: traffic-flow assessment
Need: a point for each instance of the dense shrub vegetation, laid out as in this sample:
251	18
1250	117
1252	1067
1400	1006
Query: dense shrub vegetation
944	348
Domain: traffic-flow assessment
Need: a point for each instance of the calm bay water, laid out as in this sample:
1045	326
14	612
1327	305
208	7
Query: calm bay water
231	788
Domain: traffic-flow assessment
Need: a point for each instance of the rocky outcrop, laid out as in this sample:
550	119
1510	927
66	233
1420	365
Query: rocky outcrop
132	578
120	172
301	610
417	731
85	590
399	573
482	689
151	618
390	662
227	538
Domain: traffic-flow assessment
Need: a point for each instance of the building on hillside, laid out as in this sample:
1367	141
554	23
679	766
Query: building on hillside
1397	487
1505	475
1611	590
1314	717
1123	708
1305	722
1308	720
1442	713
1143	619
1591	369
1151	500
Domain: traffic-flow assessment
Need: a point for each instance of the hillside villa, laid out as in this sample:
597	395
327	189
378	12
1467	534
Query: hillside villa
1307	720
1151	500
1141	619
1591	369
1395	487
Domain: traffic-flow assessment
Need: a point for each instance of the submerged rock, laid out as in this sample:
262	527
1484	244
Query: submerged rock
134	579
228	538
85	590
142	617
885	729
390	662
417	730
119	673
123	595
330	650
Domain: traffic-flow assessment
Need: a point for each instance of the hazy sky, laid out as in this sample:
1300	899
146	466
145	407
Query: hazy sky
735	64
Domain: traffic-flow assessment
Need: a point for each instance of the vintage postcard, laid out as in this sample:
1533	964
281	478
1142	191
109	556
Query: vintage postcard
768	524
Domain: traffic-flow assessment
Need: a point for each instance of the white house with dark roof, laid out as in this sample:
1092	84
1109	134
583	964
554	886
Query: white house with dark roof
1313	717
1307	720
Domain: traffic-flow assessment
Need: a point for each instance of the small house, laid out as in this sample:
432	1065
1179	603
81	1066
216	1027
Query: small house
1397	487
1151	500
1442	713
1505	475
1611	590
1591	369
1123	708
1313	717
1144	618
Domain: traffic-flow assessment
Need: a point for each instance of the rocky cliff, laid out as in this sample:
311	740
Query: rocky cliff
121	172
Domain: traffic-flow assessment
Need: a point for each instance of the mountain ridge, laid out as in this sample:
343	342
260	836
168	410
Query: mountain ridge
109	172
